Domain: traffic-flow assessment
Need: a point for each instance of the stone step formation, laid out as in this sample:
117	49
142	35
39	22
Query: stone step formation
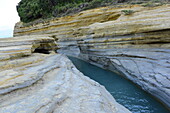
36	82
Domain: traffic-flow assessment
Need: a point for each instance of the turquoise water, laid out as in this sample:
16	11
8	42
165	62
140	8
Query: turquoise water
124	91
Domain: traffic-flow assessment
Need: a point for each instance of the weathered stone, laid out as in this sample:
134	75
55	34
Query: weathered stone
43	83
136	45
11	48
54	85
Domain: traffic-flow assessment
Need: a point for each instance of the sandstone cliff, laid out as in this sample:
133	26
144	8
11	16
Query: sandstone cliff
34	82
135	44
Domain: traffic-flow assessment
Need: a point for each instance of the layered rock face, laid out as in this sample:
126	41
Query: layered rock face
131	40
43	83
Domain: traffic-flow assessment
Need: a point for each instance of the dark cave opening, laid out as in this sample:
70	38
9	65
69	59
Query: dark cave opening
44	51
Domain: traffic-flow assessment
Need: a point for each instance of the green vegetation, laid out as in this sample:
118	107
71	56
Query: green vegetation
152	4
127	12
30	10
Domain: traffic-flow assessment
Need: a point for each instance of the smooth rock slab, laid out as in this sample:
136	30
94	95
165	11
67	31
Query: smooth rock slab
61	89
43	83
135	45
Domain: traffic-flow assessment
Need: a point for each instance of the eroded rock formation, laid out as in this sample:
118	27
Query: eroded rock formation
134	44
44	83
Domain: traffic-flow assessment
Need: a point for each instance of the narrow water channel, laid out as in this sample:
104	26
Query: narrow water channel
124	91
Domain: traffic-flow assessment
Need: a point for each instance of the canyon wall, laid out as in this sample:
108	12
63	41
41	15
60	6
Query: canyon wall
35	79
133	41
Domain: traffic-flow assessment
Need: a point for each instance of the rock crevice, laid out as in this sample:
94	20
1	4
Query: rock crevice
43	83
136	45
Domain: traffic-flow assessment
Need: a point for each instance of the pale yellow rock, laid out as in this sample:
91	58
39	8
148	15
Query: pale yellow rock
41	83
14	47
136	45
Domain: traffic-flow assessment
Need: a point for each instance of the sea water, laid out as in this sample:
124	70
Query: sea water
124	91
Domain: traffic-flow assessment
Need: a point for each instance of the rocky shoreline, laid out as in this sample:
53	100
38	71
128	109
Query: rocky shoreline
134	44
36	82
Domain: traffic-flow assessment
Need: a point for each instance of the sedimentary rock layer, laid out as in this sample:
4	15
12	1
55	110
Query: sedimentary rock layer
135	44
43	83
14	47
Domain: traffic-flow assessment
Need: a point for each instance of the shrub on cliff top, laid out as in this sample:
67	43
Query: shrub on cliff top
30	10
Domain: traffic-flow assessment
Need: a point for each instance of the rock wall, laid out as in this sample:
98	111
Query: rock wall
131	40
43	83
